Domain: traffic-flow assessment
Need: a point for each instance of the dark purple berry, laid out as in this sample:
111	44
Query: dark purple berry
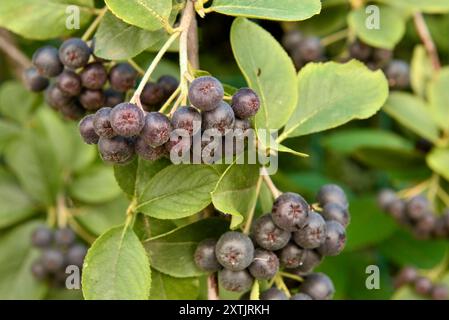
94	76
382	56
385	198
241	128
426	224
417	207
273	294
70	83
310	49
34	81
64	237
169	85
332	193
318	286
102	124
268	235
310	260
74	53
52	260
127	119
360	51
292	39
42	237
87	131
157	129
406	276
187	118
117	150
39	271
335	239
206	93
73	111
178	145
152	95
221	118
245	103
313	233
204	256
122	77
237	281
55	98
397	210
147	152
291	256
234	251
92	100
301	296
290	211
334	211
423	286
113	98
76	254
47	63
265	265
398	74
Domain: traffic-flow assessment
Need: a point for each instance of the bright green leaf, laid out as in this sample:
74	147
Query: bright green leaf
10	93
15	204
164	287
421	71
439	98
438	161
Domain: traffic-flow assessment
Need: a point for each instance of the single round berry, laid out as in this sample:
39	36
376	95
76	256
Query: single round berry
360	51
152	95
147	152
301	296
92	100
187	118
310	49
52	260
122	77
102	124
335	239
73	111
38	270
55	98
236	281
265	265
64	237
206	93
117	150
127	119
245	103
74	53
42	237
157	129
268	235
292	39
76	254
204	256
334	211
417	207
46	60
406	276
440	292
385	198
290	211
424	146
34	81
310	259
318	286
87	130
94	76
168	84
423	286
382	56
397	210
313	233
426	224
440	229
273	294
241	127
398	74
179	145
221	118
332	193
70	83
113	98
234	251
291	256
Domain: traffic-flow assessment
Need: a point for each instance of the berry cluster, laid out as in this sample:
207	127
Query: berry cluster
292	236
59	250
421	284
303	49
396	71
126	130
416	213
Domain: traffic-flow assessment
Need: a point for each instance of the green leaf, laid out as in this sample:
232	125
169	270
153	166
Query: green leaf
413	113
10	93
438	161
172	253
95	185
116	268
439	98
331	94
178	191
15	204
164	287
390	31
269	72
117	40
44	19
8	132
255	291
407	293
421	71
146	14
390	159
404	249
236	191
286	10
16	258
427	6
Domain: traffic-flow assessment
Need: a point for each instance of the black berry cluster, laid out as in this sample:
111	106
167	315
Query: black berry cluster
421	284
415	213
126	130
59	249
293	236
303	49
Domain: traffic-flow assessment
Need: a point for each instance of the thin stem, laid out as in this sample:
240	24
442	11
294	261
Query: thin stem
291	276
433	188
426	38
249	219
356	4
270	184
170	100
79	230
212	287
443	195
61	211
411	192
136	97
255	291
281	285
192	43
8	46
330	39
186	21
89	32
177	103
136	67
51	217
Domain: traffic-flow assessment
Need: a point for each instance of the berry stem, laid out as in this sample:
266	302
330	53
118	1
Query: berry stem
255	291
212	287
89	32
136	67
291	276
270	184
426	38
419	188
8	46
337	36
170	100
433	188
51	217
80	231
281	284
443	195
61	211
356	4
185	26
136	97
249	219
